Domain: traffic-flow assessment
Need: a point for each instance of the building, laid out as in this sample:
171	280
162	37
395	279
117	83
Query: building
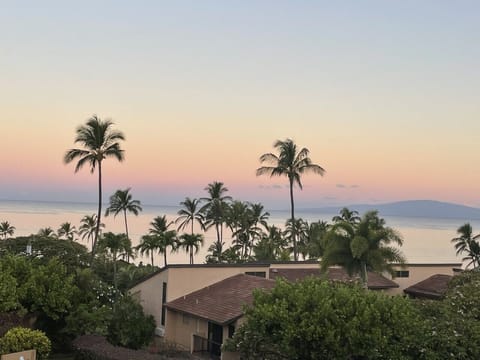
199	306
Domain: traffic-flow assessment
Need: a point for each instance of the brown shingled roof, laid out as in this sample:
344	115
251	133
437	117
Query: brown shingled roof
223	301
433	287
375	281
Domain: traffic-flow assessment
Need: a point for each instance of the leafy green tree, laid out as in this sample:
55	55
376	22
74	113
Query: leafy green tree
129	326
316	319
468	244
215	253
88	227
66	231
347	215
292	163
99	142
6	229
453	323
121	202
191	243
215	208
43	249
190	214
368	245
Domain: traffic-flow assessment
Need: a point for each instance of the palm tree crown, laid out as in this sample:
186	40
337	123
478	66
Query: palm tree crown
99	142
191	243
189	214
121	201
468	243
6	229
88	226
66	230
292	163
368	245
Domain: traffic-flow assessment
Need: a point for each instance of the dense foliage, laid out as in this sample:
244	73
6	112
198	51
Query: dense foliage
20	339
129	326
316	319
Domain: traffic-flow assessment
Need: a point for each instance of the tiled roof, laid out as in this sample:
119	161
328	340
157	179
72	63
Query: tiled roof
375	281
433	287
223	301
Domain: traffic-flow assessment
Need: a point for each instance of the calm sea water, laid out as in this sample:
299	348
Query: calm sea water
426	240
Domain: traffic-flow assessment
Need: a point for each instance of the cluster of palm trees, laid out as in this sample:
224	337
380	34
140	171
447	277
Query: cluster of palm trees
6	229
469	245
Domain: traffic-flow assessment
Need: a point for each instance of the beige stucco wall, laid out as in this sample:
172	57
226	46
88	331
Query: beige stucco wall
298	265
180	329
420	272
149	294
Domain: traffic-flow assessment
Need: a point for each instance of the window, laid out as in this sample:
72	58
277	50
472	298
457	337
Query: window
261	274
402	273
164	300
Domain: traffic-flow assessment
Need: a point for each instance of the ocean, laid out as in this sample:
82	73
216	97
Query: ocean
426	240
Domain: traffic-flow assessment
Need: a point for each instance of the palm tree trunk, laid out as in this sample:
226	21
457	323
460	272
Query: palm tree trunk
191	255
364	275
192	224
99	214
151	256
115	269
126	231
292	212
165	256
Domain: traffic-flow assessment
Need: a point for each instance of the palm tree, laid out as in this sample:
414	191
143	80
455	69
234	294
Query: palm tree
215	207
468	243
66	230
121	201
88	227
149	244
272	246
189	214
116	245
347	215
100	141
297	229
292	164
362	247
159	227
315	239
47	232
189	242
6	229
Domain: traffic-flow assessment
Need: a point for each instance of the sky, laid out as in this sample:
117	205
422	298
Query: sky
384	94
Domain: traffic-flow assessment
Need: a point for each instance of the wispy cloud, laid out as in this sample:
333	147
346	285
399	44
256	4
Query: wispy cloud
341	186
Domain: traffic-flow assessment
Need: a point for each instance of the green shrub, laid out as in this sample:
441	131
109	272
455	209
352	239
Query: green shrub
21	339
129	326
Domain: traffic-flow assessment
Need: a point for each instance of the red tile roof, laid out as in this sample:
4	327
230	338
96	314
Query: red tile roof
223	301
433	287
375	281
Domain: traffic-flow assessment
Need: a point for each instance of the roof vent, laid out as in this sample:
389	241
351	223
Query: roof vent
196	301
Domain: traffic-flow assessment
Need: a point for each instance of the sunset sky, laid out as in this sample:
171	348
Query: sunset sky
386	95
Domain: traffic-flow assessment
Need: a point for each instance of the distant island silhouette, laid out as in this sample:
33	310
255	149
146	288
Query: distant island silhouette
410	208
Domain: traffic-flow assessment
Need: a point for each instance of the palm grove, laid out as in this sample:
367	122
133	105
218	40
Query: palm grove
95	281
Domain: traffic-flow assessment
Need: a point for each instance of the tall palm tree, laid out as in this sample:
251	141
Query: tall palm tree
121	202
290	163
469	244
368	245
215	207
6	229
191	242
116	245
66	230
159	227
190	214
88	226
149	244
99	142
